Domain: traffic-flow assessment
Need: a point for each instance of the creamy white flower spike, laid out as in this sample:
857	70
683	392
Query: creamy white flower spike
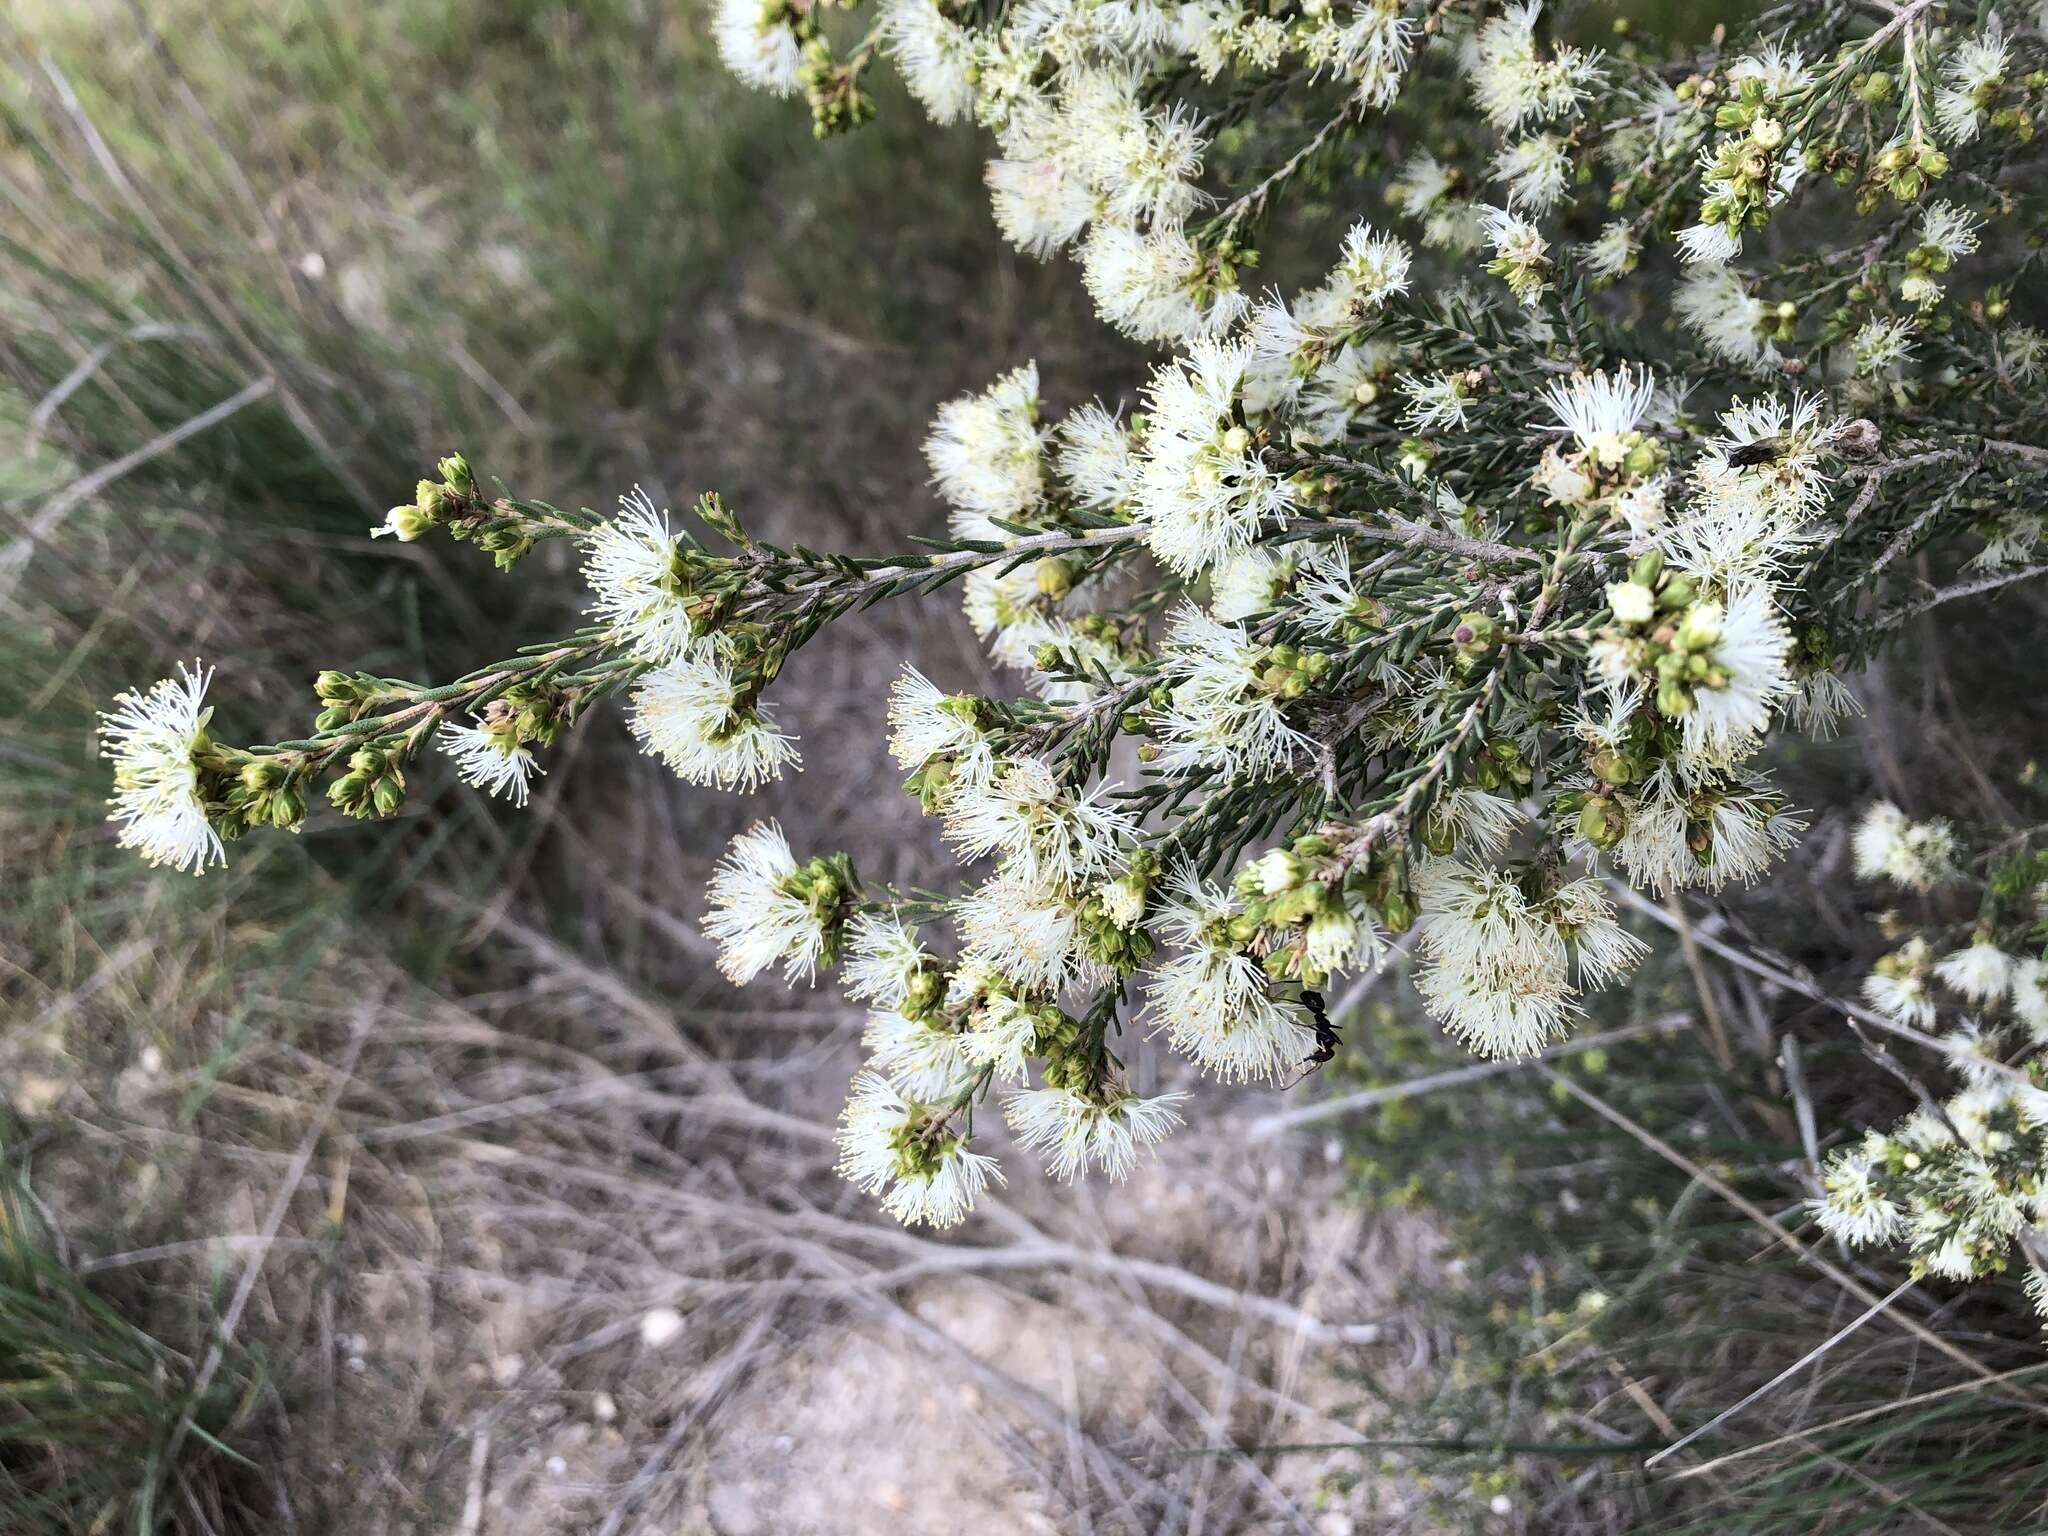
1854	1209
1614	252
1074	1130
1746	645
1537	170
1701	830
633	568
1024	931
762	52
1040	202
1716	305
1219	713
152	739
1212	1001
1341	390
759	914
1514	84
1253	582
907	1153
1497	959
926	1059
1601	409
489	760
934	54
1521	256
1051	835
689	713
987	454
1974	66
1901	986
1980	971
927	723
1205	490
2030	997
1095	456
885	960
1917	855
1152	285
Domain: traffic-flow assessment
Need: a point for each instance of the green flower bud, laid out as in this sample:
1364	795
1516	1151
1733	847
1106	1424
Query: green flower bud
1055	576
1601	823
455	474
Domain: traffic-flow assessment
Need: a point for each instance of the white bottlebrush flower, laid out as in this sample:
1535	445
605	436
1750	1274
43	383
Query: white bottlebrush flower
1820	702
1049	834
489	760
1521	256
689	714
1950	230
1717	306
2022	349
1513	84
1917	855
1971	73
1437	402
1002	1038
1980	971
1709	245
1155	285
153	739
1219	716
1252	582
884	960
1600	410
1212	1001
1094	455
2030	997
1537	170
987	455
1327	598
1782	72
760	51
1007	610
1612	253
926	722
934	54
1752	516
1204	489
1482	821
633	567
1283	350
1023	931
1855	1209
1904	997
1073	1130
907	1153
1881	345
1746	645
1370	45
1422	182
1371	269
1706	832
925	1058
757	917
1497	960
1147	172
1343	387
1041	202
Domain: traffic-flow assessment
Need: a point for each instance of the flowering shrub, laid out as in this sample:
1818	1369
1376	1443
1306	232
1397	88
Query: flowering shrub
1415	607
1960	1182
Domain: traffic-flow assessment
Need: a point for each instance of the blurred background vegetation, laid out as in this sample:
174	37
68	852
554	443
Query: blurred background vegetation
334	1189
